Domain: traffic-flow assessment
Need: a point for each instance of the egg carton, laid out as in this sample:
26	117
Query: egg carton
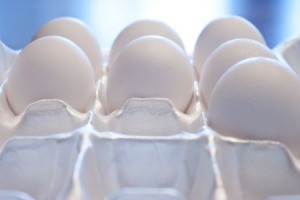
84	164
51	151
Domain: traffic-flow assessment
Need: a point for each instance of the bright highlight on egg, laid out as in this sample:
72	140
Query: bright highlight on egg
79	33
142	28
149	67
51	67
224	57
219	31
258	99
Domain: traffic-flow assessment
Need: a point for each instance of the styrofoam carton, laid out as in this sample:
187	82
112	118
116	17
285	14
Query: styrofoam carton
257	170
115	162
42	167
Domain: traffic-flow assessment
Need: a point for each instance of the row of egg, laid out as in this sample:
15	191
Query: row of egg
155	65
246	92
64	62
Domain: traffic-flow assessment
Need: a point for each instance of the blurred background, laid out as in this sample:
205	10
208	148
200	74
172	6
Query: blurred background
20	19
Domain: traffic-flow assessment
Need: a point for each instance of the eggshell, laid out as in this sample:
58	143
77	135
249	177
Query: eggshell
150	66
219	31
290	51
79	33
7	58
2	59
142	28
51	68
258	99
224	57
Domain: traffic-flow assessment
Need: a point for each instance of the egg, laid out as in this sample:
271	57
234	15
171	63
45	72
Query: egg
258	99
142	28
2	59
79	33
290	51
224	57
3	52
219	31
150	67
7	58
51	68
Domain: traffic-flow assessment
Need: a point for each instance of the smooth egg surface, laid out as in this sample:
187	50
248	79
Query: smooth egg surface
7	58
258	99
290	51
149	67
79	33
142	28
51	68
219	31
2	60
224	57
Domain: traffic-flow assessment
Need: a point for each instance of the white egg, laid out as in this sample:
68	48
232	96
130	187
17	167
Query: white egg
258	99
219	31
150	66
224	57
290	51
7	58
3	65
139	29
79	33
51	68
